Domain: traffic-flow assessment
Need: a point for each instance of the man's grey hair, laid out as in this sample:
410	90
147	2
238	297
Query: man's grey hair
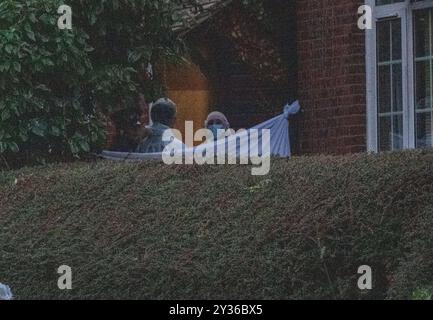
163	111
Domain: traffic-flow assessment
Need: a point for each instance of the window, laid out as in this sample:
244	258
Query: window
423	77
389	84
400	75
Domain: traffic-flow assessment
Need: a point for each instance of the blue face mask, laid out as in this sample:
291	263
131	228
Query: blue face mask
214	128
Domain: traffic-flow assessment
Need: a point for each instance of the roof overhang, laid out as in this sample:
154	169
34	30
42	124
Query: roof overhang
192	14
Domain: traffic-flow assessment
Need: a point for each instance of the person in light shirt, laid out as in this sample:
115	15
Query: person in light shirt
163	116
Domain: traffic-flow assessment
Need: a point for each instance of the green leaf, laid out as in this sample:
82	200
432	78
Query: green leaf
48	62
43	88
84	145
31	35
32	18
23	137
55	131
13	147
2	147
9	48
38	127
17	66
5	115
74	148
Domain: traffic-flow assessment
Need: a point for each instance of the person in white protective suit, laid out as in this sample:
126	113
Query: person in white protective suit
216	122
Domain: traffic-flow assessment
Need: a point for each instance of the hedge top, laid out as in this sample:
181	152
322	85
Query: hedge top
151	231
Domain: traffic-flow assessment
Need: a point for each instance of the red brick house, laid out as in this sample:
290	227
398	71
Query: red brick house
326	72
361	90
365	90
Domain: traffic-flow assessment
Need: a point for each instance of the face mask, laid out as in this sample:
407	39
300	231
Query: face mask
215	130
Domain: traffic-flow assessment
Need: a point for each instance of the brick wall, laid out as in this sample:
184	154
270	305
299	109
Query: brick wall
331	77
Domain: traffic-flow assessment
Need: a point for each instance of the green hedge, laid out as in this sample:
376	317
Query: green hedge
151	231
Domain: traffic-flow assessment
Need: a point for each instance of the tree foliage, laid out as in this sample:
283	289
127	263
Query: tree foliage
54	83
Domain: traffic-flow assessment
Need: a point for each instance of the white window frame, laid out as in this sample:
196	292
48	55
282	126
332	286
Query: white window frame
404	11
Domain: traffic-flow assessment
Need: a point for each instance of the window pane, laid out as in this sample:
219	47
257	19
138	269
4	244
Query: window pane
385	133
423	77
423	130
383	2
421	36
384	89
391	133
390	85
397	132
422	85
384	41
397	88
396	39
